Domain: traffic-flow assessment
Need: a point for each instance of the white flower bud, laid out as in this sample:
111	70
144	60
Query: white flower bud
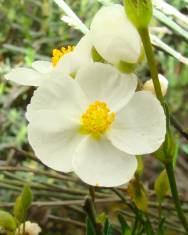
114	37
148	85
30	228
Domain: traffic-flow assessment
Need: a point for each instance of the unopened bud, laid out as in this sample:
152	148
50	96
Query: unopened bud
139	12
30	228
149	86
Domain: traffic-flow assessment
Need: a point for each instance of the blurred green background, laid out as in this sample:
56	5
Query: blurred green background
29	30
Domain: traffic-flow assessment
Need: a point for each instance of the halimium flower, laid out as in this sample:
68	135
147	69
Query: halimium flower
114	36
66	61
149	86
30	228
95	125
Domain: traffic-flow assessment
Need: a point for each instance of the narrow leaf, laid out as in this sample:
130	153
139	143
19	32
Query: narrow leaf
108	229
125	229
89	227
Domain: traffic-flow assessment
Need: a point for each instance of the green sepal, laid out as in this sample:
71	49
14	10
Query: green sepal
126	67
7	221
96	56
139	12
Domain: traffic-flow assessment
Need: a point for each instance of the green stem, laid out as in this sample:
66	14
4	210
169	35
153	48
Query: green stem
174	191
91	213
144	34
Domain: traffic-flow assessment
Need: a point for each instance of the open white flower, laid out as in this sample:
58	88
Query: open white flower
65	62
149	86
95	125
30	228
114	36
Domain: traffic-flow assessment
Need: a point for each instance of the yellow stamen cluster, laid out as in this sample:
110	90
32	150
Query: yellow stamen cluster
58	54
98	118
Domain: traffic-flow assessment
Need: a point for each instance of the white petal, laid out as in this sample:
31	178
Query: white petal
54	139
140	127
42	66
24	76
98	162
114	36
69	64
84	47
59	94
104	82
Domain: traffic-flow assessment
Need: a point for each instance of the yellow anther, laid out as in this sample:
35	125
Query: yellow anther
58	54
97	118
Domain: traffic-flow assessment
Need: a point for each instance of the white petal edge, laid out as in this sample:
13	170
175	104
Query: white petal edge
140	127
54	139
99	163
24	76
84	47
42	66
105	83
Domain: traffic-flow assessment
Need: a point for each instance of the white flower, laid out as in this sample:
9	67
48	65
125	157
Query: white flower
95	125
148	85
81	56
114	36
69	64
30	228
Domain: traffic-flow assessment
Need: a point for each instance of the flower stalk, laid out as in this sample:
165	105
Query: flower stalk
174	191
90	211
135	10
144	34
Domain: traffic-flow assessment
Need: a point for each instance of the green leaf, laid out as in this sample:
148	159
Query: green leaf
89	227
23	202
19	211
26	197
170	23
161	227
148	228
138	195
7	221
125	229
108	229
162	186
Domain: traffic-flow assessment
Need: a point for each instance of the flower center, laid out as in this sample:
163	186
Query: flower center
58	54
97	118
